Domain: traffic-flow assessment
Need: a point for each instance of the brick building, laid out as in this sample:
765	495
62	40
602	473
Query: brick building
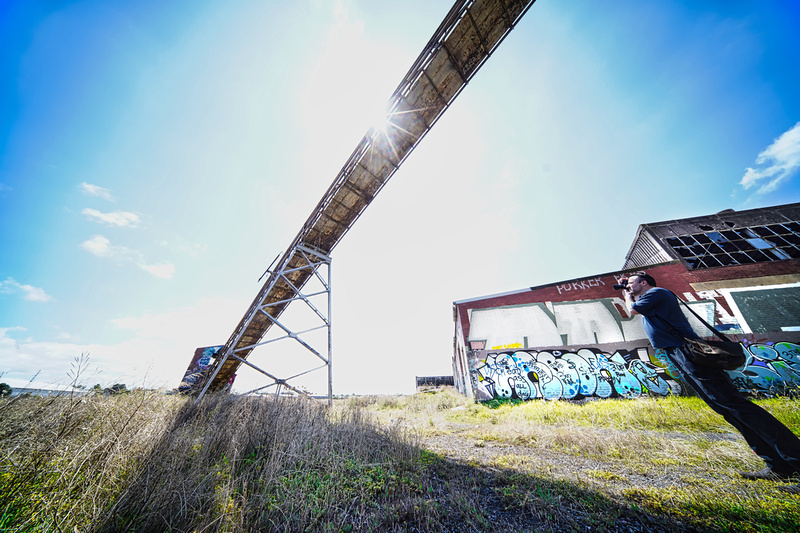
740	270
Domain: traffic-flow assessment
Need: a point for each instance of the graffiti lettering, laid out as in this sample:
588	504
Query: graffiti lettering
566	375
772	368
508	346
578	323
580	285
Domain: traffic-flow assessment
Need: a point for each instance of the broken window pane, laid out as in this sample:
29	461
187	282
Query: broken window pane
761	244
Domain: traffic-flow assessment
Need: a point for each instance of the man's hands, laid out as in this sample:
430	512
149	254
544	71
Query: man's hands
628	296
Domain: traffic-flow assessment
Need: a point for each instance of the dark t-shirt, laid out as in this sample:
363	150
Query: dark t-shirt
660	310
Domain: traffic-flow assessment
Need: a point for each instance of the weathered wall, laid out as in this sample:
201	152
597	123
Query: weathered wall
575	338
600	321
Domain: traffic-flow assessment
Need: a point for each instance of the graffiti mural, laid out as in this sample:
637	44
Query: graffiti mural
772	368
556	374
200	362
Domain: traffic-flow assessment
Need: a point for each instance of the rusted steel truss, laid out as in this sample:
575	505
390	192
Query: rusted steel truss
310	262
466	38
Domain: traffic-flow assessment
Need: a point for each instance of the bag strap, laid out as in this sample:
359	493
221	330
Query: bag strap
706	324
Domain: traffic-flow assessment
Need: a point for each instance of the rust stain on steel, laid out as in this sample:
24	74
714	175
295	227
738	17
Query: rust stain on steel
466	38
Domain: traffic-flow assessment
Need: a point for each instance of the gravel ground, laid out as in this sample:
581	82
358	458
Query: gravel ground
566	466
491	455
471	453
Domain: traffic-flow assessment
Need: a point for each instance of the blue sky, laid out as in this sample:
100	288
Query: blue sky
156	156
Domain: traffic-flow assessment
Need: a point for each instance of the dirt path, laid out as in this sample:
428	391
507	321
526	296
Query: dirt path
612	475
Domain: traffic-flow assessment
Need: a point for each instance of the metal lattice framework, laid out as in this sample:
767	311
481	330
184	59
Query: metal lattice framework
466	38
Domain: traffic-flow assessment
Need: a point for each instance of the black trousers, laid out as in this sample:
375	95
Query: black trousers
768	437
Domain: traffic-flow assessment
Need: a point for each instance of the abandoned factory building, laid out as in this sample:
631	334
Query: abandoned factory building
740	270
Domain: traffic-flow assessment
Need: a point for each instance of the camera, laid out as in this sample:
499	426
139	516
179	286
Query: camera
622	285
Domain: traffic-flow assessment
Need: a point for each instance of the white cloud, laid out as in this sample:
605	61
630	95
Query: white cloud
117	218
100	192
101	247
779	162
156	353
29	292
163	271
50	364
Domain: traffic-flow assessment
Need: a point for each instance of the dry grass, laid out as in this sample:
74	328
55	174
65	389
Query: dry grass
64	458
145	462
428	462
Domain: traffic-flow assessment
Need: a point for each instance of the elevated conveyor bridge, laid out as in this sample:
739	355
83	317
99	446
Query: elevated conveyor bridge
466	38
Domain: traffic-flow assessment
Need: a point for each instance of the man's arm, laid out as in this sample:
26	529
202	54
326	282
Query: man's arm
628	297
629	301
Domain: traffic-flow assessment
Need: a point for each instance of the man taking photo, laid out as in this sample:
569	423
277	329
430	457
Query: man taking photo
666	326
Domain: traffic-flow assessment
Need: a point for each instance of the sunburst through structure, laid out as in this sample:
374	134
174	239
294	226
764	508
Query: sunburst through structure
466	38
